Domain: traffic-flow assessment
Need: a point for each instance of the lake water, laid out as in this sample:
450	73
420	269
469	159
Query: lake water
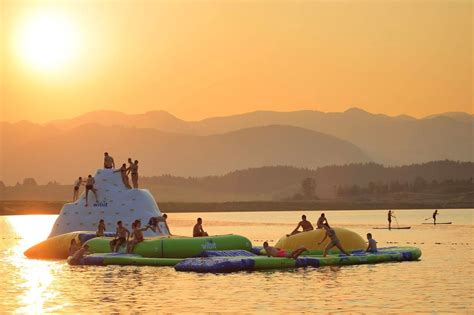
442	281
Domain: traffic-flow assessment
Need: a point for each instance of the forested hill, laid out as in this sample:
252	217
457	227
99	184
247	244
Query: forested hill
432	180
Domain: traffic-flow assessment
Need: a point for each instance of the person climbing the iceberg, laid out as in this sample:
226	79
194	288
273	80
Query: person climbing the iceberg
77	185
123	171
108	161
334	240
277	252
133	170
304	224
90	181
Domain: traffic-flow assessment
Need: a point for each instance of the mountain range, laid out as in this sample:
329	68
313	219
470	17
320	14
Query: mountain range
64	149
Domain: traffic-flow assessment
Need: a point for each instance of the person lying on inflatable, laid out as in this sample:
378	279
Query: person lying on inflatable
277	252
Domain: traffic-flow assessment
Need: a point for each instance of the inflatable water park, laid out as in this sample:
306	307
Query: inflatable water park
78	221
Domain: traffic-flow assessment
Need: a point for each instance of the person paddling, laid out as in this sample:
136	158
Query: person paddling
389	218
435	213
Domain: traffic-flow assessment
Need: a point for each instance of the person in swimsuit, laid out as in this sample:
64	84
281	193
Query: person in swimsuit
137	234
304	224
165	218
435	213
321	221
277	252
90	186
73	247
334	240
153	224
100	228
198	231
123	171
76	257
121	237
133	169
77	185
372	246
389	218
108	161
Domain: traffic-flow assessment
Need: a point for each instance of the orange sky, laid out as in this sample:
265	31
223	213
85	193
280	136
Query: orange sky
200	58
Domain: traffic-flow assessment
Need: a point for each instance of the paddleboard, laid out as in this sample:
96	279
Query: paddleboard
437	223
393	228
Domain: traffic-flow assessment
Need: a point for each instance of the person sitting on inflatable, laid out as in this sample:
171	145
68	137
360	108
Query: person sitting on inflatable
277	252
121	236
372	247
198	231
304	224
137	234
334	240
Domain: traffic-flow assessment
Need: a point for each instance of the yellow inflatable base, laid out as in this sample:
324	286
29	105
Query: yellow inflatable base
349	240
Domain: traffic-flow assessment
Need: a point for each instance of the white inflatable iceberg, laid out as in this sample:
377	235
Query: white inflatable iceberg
116	202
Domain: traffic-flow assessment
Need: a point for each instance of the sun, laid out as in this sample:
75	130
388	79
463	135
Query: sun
48	41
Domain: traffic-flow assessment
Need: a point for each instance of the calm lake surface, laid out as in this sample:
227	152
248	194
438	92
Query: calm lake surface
442	281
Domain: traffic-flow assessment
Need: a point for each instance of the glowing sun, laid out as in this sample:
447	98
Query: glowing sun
48	41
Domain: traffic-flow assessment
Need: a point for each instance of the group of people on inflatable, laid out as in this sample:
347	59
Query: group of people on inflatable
306	226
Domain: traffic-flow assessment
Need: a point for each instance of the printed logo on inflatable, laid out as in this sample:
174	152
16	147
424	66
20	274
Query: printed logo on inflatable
209	245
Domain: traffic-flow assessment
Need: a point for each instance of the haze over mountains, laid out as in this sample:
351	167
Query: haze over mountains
65	149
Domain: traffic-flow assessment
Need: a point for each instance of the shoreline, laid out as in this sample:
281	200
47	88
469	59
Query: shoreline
21	207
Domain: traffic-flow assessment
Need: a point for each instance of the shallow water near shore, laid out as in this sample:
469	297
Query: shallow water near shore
442	281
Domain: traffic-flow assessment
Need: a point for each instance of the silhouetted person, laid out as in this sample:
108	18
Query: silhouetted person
108	161
304	224
389	218
123	171
133	169
198	231
90	181
435	213
77	185
321	221
334	240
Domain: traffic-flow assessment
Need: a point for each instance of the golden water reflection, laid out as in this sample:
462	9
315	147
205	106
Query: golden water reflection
35	287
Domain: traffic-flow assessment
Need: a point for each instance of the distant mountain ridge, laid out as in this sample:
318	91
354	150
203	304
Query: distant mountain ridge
389	140
49	153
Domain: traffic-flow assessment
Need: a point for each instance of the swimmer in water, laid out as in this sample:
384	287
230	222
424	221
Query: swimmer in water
304	224
334	241
277	252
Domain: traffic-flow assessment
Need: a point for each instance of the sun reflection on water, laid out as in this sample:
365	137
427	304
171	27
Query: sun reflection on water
34	276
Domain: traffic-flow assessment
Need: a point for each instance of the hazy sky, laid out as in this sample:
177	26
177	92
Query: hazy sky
203	58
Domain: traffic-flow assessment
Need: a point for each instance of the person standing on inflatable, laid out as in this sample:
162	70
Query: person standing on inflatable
334	241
